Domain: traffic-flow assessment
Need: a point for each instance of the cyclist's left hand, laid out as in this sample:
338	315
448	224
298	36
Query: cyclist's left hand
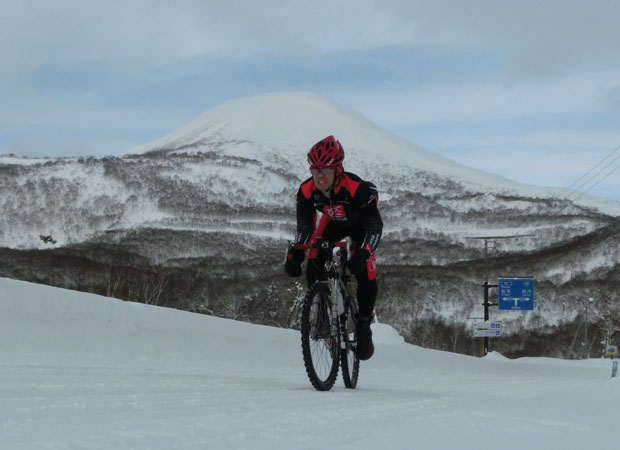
357	263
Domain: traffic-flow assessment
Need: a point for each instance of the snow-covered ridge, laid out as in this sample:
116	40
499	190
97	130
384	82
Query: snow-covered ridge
10	160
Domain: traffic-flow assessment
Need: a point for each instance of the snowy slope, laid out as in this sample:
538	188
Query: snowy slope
81	371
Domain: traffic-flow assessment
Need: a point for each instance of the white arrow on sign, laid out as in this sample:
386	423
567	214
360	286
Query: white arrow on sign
487	333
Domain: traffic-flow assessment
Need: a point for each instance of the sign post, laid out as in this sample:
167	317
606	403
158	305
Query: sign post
490	240
611	351
514	293
486	305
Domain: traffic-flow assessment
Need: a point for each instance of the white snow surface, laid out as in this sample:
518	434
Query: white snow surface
25	161
80	371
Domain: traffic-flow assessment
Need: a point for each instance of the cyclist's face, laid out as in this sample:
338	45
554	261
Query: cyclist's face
323	178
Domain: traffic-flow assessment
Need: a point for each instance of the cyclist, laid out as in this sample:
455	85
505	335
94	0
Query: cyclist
351	204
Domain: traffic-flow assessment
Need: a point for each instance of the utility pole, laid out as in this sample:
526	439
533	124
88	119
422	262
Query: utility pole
587	303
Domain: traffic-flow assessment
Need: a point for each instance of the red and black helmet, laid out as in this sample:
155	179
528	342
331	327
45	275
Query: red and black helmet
326	153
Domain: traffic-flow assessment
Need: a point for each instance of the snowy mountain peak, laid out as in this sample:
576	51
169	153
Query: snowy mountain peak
292	122
275	127
290	118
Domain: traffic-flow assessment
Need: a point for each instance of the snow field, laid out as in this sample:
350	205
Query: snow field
80	371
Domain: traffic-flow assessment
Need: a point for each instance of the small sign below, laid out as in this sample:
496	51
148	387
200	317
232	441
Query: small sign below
611	351
516	293
487	329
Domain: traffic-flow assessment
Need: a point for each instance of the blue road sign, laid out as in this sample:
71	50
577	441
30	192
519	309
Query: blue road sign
516	293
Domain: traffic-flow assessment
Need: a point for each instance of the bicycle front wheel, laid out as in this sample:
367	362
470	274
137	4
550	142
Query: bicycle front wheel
319	345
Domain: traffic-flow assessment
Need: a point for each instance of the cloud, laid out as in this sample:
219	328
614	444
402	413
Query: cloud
536	37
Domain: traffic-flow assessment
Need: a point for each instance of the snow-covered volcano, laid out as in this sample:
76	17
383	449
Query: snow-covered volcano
276	126
246	157
289	123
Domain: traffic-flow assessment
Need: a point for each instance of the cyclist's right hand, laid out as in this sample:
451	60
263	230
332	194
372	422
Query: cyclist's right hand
294	258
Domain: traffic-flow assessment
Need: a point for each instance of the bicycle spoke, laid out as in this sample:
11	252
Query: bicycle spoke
319	347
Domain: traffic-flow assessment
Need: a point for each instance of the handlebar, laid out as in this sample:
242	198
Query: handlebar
313	245
316	245
312	249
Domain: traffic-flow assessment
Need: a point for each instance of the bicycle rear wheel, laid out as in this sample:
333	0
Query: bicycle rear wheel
348	356
320	348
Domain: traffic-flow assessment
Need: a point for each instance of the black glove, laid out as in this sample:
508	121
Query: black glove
292	265
357	263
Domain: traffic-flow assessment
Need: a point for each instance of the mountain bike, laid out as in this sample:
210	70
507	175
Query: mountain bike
328	317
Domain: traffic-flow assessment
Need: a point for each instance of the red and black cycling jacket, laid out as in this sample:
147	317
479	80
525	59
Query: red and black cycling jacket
352	203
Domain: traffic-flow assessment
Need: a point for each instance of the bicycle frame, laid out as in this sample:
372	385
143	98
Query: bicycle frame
335	274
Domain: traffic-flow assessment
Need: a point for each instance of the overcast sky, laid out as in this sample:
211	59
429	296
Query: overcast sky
527	89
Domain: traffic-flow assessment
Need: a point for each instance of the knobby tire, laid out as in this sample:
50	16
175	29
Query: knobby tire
348	356
320	348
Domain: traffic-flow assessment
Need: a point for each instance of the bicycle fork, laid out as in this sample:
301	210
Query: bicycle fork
339	314
335	309
337	317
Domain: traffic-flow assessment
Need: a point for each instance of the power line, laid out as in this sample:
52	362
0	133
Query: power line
595	184
593	168
582	185
578	190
